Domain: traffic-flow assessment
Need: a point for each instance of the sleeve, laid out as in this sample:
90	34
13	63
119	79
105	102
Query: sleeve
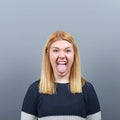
29	107
93	111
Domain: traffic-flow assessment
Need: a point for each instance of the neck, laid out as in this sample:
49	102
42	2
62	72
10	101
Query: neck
62	79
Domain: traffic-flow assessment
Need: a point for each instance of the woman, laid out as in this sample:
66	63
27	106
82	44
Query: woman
61	93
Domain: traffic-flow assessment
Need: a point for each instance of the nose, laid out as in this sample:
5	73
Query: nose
62	54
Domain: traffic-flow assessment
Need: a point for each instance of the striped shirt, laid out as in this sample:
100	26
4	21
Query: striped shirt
63	105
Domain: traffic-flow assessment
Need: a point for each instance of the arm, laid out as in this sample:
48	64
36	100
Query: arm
92	103
27	116
29	107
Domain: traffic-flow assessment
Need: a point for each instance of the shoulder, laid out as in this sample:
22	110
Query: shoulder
92	102
90	93
34	84
88	85
32	91
33	87
89	90
30	99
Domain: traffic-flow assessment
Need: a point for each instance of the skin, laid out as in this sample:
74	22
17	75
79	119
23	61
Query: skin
61	52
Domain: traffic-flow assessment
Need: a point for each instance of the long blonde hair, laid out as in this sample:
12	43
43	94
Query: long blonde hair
47	79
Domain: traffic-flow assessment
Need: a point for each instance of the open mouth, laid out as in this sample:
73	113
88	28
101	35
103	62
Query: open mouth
62	63
61	66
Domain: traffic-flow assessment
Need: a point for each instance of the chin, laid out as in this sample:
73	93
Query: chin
62	74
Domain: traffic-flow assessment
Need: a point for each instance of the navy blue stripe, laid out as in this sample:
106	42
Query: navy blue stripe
62	102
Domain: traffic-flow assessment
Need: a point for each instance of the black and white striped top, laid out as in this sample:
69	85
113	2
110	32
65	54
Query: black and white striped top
63	105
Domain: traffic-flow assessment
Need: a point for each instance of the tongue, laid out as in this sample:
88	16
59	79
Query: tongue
61	68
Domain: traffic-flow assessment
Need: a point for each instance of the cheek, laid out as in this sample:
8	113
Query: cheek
52	58
71	60
71	57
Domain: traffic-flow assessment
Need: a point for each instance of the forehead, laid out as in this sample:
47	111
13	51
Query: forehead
61	44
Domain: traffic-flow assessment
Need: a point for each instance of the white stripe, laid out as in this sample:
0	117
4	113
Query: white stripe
26	116
96	116
62	117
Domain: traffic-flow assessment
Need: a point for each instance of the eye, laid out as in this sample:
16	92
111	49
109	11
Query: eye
55	50
68	50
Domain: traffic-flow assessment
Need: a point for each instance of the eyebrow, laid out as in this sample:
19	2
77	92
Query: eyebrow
58	47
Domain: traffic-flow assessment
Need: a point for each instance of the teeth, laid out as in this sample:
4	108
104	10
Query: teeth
61	63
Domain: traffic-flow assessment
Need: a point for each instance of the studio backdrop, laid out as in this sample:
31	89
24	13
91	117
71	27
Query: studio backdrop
25	26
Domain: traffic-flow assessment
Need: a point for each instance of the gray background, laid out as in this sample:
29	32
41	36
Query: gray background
25	26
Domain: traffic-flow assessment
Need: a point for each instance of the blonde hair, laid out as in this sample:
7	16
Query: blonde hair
47	85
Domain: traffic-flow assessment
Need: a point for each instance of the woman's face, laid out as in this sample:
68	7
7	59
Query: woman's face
61	57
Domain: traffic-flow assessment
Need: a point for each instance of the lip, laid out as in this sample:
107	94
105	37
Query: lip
62	63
